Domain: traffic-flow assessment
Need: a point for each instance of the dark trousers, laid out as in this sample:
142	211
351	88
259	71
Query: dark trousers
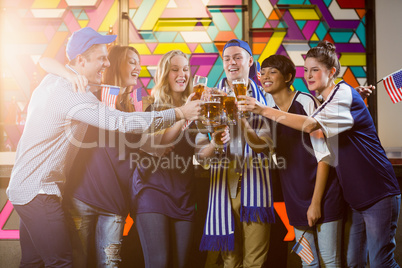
165	242
44	236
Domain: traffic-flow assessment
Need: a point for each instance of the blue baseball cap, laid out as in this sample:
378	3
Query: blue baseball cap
238	43
81	40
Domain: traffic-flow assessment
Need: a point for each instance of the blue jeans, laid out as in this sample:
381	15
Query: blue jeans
325	242
44	236
372	231
100	226
161	237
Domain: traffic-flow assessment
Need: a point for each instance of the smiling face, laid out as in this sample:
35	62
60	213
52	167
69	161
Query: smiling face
130	69
95	64
317	75
179	74
236	63
272	80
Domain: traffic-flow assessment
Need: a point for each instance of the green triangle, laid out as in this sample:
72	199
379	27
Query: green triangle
301	23
281	25
151	84
76	12
179	39
63	28
83	16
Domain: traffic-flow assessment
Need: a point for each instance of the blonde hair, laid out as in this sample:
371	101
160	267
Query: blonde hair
161	92
112	76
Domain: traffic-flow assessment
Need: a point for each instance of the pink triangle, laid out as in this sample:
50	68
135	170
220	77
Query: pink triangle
267	25
231	18
192	46
152	46
145	81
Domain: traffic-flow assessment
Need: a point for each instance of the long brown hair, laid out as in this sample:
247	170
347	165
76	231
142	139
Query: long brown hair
161	92
112	76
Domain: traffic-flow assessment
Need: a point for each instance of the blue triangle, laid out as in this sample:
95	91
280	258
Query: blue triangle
327	2
301	23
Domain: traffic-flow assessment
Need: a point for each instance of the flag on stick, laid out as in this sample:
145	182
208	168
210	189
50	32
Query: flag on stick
303	249
109	95
393	85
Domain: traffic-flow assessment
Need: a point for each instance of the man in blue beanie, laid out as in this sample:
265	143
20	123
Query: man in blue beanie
56	123
241	230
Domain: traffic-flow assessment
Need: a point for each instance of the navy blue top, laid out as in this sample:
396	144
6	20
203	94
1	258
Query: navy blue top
364	171
101	176
301	153
165	184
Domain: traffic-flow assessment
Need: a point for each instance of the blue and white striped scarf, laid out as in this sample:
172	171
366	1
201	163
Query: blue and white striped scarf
256	193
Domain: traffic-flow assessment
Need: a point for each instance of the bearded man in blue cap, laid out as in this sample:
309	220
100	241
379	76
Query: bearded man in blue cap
240	209
56	123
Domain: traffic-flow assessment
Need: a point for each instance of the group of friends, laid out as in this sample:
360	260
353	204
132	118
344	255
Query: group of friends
74	182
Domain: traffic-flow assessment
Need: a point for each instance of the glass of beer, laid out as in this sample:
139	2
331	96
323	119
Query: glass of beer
199	84
219	130
229	106
211	109
239	88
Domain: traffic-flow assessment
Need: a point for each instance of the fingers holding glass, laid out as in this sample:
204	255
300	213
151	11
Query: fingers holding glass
199	84
240	89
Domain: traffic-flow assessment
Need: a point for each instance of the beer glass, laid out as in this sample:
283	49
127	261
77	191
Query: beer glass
229	106
219	130
211	109
199	84
239	88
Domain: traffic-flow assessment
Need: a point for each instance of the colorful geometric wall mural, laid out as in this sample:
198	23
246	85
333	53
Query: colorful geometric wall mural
200	28
31	29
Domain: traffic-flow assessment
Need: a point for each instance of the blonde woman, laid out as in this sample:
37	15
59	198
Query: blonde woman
163	187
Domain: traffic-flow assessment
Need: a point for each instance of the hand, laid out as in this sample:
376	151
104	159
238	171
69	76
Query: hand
249	104
365	91
225	136
190	97
80	82
189	111
313	214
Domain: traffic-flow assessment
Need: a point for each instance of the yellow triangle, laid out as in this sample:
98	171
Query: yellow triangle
314	37
144	72
83	23
206	23
199	49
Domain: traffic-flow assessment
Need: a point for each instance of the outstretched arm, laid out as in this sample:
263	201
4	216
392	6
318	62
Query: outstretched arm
258	143
295	121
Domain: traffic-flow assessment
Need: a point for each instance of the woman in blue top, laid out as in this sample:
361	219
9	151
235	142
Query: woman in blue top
163	201
310	188
365	174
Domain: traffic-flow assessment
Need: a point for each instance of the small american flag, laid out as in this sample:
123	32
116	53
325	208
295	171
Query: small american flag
303	249
186	124
136	96
393	85
109	95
